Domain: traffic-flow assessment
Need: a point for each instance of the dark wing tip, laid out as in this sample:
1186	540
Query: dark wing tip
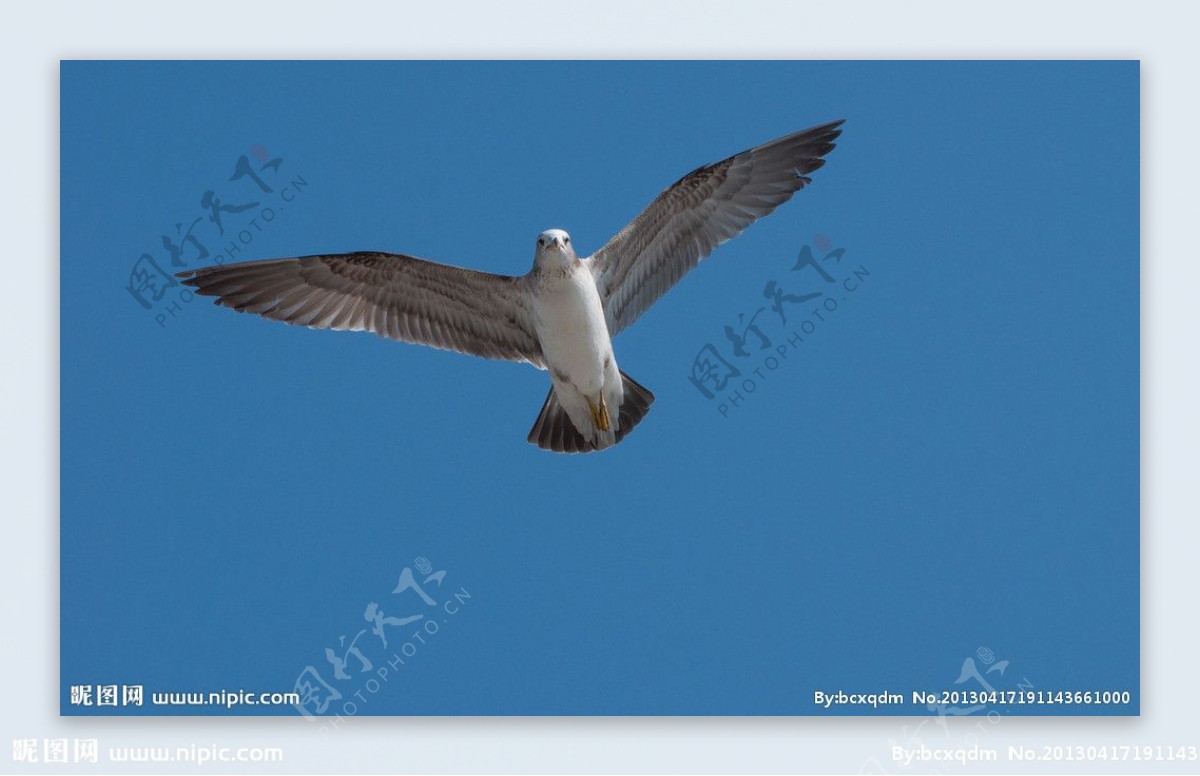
830	130
821	136
196	278
807	148
202	278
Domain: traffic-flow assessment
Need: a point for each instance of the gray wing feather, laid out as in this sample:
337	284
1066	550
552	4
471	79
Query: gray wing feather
399	297
700	211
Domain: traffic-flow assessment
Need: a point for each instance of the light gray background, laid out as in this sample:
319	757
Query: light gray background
34	38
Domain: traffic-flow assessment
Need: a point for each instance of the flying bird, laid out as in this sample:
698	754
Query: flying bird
560	316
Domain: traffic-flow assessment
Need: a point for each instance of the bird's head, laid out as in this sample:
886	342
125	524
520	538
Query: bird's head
554	250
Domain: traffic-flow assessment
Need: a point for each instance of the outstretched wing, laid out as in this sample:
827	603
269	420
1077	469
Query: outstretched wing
395	296
699	212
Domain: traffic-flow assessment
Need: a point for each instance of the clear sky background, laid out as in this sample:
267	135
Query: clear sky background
948	462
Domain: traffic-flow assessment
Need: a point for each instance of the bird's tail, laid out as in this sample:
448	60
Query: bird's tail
553	430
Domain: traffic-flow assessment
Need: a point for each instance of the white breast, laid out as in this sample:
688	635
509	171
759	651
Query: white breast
572	330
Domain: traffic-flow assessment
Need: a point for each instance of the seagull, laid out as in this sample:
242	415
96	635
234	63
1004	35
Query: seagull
560	316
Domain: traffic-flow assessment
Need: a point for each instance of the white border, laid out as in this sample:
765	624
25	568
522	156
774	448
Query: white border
35	37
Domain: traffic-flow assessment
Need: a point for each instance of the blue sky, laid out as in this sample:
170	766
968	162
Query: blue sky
947	461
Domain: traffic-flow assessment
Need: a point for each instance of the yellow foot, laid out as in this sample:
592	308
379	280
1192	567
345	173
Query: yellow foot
600	415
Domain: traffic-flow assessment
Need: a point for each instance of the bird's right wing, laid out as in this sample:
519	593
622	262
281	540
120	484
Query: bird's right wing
395	296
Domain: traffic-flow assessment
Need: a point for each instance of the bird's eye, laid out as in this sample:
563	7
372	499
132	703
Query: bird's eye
567	240
541	241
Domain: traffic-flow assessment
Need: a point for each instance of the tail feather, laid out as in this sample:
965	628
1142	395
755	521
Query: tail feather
553	429
635	403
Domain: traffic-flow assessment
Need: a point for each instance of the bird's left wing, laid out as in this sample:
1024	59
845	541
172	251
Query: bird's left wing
395	296
699	212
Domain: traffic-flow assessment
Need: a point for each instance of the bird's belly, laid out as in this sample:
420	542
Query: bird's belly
573	332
